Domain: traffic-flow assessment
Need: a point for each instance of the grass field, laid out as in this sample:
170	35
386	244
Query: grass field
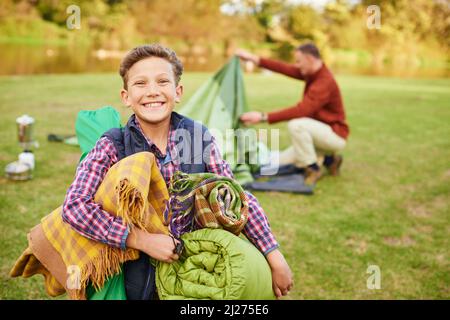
389	208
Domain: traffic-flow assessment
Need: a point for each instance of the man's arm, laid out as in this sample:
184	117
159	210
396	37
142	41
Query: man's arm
287	69
316	97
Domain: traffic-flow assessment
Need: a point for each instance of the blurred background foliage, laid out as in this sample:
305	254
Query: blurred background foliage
414	35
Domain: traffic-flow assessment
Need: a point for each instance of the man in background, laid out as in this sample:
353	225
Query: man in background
317	123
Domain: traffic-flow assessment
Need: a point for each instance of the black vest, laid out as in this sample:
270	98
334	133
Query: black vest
193	140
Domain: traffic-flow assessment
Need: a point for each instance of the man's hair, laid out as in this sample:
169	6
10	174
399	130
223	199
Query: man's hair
147	51
309	48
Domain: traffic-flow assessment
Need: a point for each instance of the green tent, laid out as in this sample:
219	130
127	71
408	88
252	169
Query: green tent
217	104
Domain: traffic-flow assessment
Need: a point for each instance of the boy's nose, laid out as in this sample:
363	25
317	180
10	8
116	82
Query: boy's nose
152	90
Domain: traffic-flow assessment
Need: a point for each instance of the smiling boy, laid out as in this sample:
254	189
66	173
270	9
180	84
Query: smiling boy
151	88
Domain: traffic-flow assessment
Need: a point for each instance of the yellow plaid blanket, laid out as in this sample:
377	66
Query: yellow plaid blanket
133	189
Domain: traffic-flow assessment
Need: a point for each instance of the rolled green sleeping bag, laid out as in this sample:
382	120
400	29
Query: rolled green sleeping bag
217	265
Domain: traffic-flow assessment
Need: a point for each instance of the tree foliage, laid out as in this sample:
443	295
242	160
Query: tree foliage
409	29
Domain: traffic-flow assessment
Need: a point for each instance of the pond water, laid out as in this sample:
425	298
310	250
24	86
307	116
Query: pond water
24	59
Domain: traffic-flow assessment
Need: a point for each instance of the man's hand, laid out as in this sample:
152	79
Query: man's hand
247	56
282	281
158	246
252	117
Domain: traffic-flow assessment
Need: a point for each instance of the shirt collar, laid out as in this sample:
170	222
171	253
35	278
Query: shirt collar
134	122
315	74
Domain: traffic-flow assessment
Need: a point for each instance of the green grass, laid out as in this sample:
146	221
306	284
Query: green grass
389	208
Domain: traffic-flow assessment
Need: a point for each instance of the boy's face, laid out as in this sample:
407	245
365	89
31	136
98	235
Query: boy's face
152	92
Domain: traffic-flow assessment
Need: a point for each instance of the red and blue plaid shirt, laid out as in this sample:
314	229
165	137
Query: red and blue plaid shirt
90	220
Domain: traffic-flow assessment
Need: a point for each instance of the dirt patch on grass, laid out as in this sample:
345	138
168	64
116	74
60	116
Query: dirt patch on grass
446	175
441	258
404	241
5	157
22	209
440	202
4	180
71	158
358	245
424	229
419	211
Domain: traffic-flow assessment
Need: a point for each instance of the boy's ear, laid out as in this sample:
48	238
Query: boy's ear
124	96
179	93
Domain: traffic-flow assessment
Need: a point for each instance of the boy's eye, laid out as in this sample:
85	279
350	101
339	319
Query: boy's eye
163	81
139	83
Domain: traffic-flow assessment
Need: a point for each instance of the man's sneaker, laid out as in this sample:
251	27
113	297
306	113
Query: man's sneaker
312	176
333	168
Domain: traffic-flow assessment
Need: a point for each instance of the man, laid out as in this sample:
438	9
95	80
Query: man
317	123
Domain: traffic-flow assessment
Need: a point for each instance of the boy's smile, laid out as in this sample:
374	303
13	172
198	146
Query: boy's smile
154	106
151	90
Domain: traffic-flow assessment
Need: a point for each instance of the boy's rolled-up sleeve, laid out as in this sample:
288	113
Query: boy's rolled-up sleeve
79	209
257	228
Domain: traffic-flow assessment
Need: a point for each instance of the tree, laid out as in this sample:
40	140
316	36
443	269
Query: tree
303	21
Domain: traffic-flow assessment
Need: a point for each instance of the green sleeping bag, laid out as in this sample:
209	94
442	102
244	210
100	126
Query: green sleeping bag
215	264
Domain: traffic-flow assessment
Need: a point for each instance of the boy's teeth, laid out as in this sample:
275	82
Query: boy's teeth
155	104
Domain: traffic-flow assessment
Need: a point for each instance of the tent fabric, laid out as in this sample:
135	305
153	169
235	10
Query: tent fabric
217	104
220	101
293	183
216	265
282	170
287	178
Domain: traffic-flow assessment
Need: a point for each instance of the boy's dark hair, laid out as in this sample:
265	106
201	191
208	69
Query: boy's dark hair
147	51
309	48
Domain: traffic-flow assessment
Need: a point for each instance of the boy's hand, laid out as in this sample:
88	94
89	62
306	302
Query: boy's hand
161	247
282	281
158	246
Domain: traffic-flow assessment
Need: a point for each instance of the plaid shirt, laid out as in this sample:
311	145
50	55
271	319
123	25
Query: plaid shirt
90	220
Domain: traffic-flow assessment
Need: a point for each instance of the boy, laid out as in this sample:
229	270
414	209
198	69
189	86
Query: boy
151	75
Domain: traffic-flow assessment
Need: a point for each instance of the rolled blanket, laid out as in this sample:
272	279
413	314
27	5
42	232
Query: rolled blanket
205	200
218	265
132	189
